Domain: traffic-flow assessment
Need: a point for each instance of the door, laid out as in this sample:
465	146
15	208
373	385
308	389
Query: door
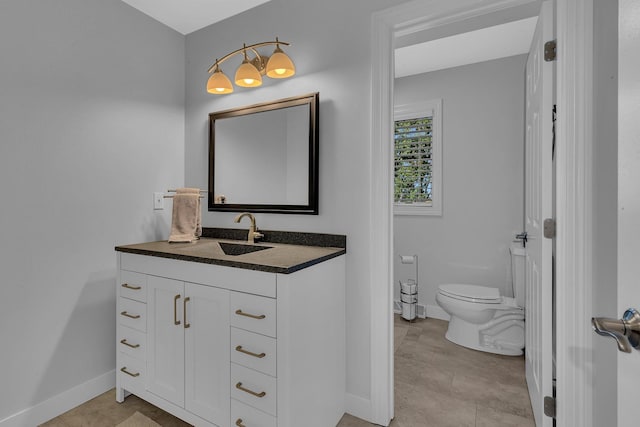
538	206
207	354
165	339
628	199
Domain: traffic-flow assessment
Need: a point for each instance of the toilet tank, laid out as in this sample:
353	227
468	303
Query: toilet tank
518	254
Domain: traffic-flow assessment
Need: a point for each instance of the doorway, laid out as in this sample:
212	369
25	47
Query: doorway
478	77
574	190
401	27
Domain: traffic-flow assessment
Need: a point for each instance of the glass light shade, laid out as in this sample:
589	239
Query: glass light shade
219	83
248	75
280	66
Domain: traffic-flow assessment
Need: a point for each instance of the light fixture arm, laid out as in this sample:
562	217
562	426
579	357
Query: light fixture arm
243	50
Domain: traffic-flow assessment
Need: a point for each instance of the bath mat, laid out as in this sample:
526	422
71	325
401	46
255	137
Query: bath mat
138	420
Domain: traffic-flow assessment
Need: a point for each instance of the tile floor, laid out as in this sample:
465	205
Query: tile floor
440	384
437	384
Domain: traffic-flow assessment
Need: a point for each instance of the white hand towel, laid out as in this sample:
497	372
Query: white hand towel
186	221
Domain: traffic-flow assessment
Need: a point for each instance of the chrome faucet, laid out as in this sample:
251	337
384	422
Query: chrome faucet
253	230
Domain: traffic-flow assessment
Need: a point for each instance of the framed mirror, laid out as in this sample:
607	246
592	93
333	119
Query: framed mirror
264	157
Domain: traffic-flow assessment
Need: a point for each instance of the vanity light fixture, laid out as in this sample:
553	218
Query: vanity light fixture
218	82
250	72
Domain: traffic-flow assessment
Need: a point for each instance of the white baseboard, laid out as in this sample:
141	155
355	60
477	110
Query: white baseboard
436	312
61	403
397	308
358	406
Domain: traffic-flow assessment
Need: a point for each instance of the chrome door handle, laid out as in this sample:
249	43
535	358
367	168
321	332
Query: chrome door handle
625	331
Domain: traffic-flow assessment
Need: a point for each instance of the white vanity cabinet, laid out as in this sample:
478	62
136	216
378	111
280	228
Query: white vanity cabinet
224	346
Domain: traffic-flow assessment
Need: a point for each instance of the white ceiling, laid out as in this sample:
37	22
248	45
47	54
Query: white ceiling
187	16
512	38
500	41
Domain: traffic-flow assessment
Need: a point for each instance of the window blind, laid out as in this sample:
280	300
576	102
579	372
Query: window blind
413	160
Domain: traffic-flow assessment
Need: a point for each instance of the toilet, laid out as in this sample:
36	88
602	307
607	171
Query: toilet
484	320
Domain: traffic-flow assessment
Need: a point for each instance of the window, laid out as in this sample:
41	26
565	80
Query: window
418	158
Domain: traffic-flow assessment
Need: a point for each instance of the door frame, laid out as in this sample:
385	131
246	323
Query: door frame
574	211
574	189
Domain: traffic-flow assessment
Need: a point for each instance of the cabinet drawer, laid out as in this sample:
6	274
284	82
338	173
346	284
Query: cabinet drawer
132	314
253	388
132	342
245	415
254	351
133	285
131	373
253	313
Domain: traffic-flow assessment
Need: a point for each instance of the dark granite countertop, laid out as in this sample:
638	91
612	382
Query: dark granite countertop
279	258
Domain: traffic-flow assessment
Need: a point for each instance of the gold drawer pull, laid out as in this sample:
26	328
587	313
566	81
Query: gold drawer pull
239	312
251	392
132	316
175	310
134	288
124	369
124	341
239	423
184	313
242	350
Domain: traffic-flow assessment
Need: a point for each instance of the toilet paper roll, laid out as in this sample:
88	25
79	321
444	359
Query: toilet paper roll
409	287
407	259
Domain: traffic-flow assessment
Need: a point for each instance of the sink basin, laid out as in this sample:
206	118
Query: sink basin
240	249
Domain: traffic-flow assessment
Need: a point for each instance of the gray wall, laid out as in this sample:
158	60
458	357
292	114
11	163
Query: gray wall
91	123
483	179
331	50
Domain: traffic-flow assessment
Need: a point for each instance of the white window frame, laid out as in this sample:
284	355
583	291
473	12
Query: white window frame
433	108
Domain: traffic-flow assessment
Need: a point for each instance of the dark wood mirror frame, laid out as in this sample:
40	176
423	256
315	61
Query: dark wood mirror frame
311	208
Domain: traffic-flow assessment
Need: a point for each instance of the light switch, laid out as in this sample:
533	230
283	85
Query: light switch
158	201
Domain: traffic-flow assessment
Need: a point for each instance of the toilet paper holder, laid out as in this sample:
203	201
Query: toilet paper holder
409	290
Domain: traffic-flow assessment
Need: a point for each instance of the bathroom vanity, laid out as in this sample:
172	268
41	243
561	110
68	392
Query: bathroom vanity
255	339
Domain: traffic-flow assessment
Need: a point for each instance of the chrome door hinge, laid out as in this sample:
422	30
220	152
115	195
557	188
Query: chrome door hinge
549	228
550	406
550	51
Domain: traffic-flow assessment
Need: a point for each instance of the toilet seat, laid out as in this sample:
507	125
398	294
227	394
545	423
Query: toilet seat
471	293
